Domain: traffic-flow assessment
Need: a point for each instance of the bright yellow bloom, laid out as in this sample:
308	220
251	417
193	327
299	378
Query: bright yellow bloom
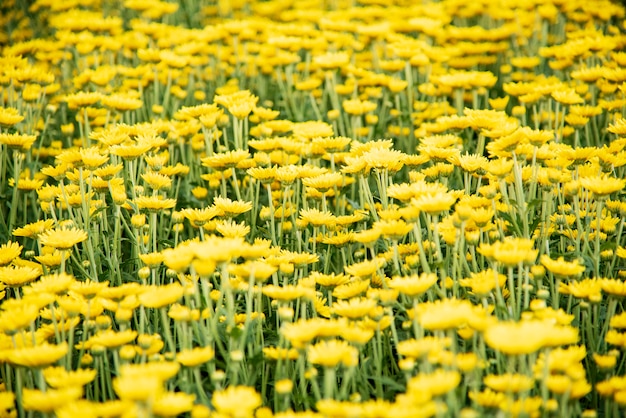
17	140
511	251
37	356
236	401
602	186
10	116
62	238
443	314
562	268
413	285
331	353
9	251
195	357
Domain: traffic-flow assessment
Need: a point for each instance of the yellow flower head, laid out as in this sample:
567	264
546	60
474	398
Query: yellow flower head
331	353
62	238
236	401
10	116
562	268
17	140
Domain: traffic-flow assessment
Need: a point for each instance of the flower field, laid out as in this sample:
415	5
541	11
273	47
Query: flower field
281	208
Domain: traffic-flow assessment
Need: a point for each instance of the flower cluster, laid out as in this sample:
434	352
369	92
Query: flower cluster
333	209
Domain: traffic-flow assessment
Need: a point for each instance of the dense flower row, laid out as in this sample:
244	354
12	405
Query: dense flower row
257	209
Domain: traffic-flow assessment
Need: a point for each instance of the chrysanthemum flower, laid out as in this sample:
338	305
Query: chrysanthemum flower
50	400
354	308
17	140
171	404
413	285
15	276
63	238
436	383
331	353
10	116
160	296
236	401
154	203
602	186
562	268
9	251
316	217
443	314
37	356
195	357
59	377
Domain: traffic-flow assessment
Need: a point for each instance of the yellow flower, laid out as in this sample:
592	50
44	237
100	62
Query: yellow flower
392	229
257	270
357	107
236	401
527	336
443	314
152	260
231	208
173	404
122	102
483	282
287	292
384	159
602	186
487	398
37	356
331	60
195	357
32	230
511	251
137	387
276	353
354	308
52	283
59	377
130	151
17	140
199	217
324	182
231	229
317	217
605	362
618	127
9	251
62	238
418	348
50	400
225	160
329	280
161	296
157	181
589	289
529	406
312	129
331	353
413	285
154	203
18	317
436	383
15	276
434	203
10	116
567	96
509	382
112	339
562	268
265	175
